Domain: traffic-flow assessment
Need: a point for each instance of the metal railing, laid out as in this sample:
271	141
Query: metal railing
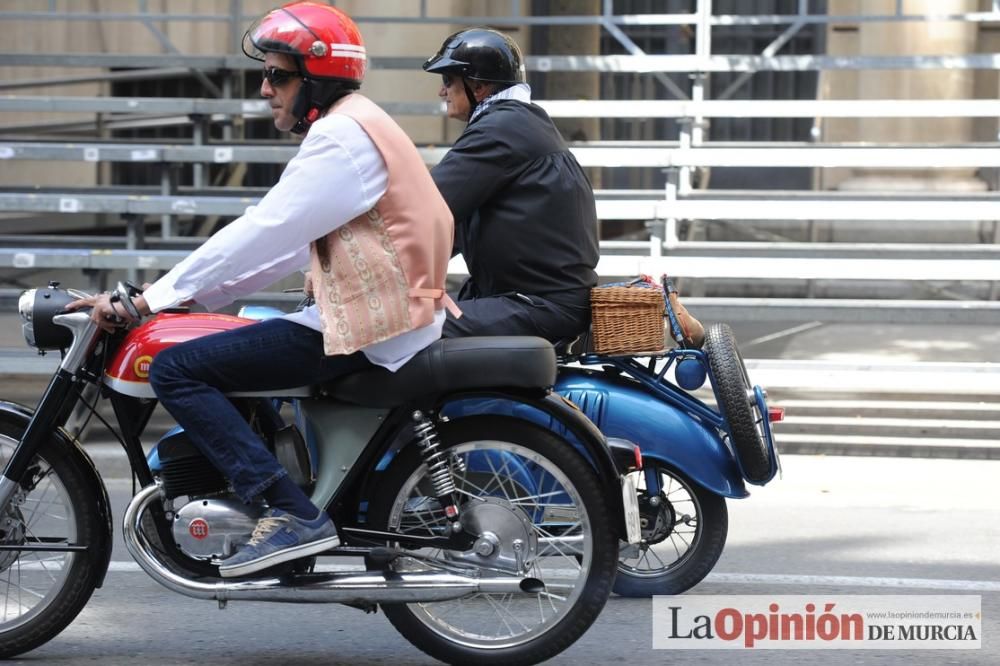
590	154
663	210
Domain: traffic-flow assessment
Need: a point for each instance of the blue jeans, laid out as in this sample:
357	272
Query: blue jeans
191	378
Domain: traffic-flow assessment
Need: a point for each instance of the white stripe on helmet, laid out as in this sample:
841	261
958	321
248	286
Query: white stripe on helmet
349	54
347	47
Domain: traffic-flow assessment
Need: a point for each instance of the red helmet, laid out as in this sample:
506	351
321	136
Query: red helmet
323	40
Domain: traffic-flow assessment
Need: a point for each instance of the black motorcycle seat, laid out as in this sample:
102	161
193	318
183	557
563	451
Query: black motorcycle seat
453	364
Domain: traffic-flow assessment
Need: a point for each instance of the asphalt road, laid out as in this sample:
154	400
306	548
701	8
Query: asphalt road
832	525
873	526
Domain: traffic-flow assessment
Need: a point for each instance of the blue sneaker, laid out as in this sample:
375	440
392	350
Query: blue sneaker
280	537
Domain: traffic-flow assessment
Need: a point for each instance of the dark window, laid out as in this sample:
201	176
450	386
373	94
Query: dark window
680	40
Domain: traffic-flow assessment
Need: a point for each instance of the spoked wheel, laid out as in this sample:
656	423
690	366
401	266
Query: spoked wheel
737	402
684	530
539	513
56	505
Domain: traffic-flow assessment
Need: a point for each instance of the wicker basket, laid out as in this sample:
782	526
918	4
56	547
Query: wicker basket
627	319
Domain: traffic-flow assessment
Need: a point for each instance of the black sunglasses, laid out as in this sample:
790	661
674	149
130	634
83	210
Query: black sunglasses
447	79
278	77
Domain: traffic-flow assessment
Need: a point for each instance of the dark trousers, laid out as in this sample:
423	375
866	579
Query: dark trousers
517	314
191	378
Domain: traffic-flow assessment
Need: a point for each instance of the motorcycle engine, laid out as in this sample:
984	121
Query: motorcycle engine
211	528
183	470
212	523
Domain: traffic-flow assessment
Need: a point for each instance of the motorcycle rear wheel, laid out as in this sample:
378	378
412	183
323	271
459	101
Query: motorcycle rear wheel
42	592
542	483
682	537
737	402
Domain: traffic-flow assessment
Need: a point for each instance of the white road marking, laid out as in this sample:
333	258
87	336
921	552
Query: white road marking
752	579
855	581
801	328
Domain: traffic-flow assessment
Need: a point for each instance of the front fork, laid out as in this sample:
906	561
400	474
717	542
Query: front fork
653	498
52	409
43	422
652	475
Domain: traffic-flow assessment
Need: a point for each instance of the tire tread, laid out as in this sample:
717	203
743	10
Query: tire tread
729	375
600	580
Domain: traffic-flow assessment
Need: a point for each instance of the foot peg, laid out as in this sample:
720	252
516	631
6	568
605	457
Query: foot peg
381	557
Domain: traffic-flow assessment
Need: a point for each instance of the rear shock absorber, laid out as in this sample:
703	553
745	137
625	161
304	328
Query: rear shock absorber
438	469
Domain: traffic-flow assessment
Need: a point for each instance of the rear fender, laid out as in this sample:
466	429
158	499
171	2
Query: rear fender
19	416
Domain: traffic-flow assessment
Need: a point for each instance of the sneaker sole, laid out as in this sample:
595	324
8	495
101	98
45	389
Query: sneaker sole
286	555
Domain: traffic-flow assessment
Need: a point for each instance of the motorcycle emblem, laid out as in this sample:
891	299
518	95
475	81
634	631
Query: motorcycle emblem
141	366
198	528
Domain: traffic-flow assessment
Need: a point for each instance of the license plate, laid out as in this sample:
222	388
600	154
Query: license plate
630	500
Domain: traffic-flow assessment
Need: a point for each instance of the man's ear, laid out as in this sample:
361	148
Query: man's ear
481	90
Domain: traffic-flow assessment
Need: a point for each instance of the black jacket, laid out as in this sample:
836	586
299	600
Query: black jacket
524	209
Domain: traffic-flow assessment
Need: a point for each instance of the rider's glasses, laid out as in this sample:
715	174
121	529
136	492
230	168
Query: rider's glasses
446	79
278	77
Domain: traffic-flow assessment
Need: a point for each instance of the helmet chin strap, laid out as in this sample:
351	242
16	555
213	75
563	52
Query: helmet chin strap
305	110
473	102
313	97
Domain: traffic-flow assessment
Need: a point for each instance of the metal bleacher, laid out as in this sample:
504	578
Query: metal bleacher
667	215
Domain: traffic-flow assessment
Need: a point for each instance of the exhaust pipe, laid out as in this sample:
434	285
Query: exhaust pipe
348	587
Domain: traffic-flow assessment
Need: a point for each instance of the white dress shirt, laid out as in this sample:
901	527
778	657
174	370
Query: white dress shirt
337	175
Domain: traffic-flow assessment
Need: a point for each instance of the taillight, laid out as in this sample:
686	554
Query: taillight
638	457
775	414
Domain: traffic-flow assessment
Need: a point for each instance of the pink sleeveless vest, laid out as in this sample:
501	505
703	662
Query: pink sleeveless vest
383	273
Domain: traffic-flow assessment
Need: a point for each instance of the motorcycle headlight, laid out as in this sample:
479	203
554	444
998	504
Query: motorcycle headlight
37	307
26	305
26	308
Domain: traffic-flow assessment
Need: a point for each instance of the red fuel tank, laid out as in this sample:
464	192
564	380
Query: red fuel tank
128	371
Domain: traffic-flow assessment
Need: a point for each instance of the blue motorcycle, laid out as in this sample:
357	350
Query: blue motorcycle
695	455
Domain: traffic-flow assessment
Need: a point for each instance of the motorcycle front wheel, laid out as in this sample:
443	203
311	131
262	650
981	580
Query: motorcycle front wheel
41	591
684	530
540	513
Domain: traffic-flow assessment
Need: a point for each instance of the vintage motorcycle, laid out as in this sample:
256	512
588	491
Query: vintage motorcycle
483	538
696	455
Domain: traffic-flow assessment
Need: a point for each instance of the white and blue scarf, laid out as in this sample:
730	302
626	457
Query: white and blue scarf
520	92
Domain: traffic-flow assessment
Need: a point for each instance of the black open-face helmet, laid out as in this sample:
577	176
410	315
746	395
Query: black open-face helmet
479	54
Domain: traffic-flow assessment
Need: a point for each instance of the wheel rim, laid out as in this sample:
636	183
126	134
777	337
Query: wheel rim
561	559
662	553
758	417
30	581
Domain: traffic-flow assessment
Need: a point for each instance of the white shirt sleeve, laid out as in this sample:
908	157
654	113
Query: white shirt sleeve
336	175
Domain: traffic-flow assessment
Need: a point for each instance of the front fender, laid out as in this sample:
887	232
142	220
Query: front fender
19	416
621	408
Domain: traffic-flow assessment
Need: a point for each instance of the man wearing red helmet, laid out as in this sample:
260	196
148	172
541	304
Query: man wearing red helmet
357	205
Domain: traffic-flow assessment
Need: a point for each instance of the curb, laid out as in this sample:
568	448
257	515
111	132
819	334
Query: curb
988	451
